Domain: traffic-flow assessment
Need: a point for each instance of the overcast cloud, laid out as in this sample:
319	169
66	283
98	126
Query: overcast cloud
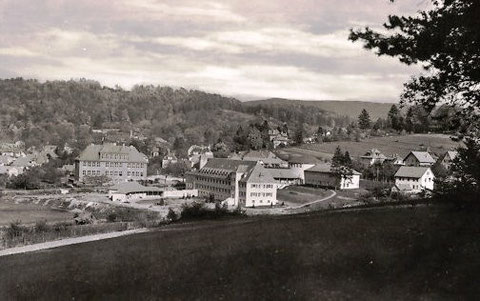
249	49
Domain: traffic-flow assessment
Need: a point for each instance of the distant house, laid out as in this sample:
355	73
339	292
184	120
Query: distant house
447	159
118	162
198	156
414	179
395	159
278	138
133	191
169	159
321	175
373	156
266	158
12	149
299	163
419	158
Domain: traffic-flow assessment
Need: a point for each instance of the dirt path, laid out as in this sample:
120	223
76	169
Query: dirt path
334	193
68	241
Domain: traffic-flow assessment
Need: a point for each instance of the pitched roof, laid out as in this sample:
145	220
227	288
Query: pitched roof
452	154
411	172
282	173
422	157
258	174
327	168
92	152
222	168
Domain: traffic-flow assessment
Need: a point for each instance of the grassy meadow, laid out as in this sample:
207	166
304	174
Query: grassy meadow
29	213
389	145
420	253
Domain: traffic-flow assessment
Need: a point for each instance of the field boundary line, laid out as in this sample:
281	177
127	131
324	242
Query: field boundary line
68	241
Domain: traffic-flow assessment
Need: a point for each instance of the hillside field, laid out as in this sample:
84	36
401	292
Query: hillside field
421	253
390	145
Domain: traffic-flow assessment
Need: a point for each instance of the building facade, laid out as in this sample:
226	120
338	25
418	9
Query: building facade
120	163
413	179
239	183
321	175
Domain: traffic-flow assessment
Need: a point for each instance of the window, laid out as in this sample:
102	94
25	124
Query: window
84	172
253	185
98	172
84	163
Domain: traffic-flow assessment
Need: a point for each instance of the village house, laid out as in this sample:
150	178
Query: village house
321	175
169	159
413	179
419	158
373	156
447	159
278	138
198	156
13	150
238	182
10	171
120	163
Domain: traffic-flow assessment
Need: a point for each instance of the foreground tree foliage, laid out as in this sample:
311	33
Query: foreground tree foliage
445	40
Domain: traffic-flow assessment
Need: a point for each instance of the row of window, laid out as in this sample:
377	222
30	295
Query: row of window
114	156
115	173
216	181
216	189
255	194
113	164
261	185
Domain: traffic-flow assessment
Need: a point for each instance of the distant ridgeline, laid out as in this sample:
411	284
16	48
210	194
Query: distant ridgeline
79	112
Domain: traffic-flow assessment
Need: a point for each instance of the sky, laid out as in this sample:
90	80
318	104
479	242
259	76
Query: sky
258	49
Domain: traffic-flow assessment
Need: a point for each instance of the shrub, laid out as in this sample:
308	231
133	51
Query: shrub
15	229
172	215
111	217
199	211
41	226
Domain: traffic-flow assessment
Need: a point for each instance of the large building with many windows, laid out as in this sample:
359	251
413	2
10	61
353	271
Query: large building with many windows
118	162
238	182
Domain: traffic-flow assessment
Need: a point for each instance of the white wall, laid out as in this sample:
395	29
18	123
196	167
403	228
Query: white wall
261	194
350	182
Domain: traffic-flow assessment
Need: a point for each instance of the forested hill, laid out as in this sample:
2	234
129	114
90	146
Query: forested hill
57	112
347	108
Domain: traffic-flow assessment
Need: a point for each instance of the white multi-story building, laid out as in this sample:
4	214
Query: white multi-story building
118	162
239	183
414	179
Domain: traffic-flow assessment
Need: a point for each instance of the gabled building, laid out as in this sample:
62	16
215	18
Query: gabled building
239	183
373	156
419	158
414	179
120	163
322	175
447	159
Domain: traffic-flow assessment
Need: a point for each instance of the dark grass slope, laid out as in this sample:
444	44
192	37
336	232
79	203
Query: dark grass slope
383	254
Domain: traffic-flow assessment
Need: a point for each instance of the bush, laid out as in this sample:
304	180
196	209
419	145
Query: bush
111	217
15	229
41	226
199	211
172	215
